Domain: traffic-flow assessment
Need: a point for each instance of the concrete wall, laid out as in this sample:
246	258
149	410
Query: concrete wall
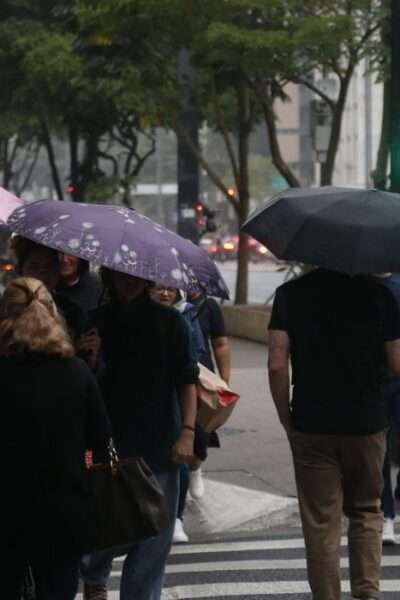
249	322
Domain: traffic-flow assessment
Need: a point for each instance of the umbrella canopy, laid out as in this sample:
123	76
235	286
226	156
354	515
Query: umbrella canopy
8	202
345	229
120	239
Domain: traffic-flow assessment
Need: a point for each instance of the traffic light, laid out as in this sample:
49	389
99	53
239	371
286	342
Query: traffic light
205	218
71	189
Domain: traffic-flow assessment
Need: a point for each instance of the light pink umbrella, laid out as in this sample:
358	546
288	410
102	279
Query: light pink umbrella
8	202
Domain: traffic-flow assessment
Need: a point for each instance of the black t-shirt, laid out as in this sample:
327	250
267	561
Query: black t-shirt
337	326
212	326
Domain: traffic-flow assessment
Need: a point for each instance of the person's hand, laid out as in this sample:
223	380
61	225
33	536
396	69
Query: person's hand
182	452
89	345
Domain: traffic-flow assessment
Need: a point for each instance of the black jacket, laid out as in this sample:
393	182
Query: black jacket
147	355
85	292
51	412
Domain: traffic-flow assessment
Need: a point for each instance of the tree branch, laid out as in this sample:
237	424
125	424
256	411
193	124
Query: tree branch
228	143
269	117
183	134
140	160
30	170
316	90
368	33
105	156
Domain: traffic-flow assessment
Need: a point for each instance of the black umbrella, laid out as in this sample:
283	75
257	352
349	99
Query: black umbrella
344	229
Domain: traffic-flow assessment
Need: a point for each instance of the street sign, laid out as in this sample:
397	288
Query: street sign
321	125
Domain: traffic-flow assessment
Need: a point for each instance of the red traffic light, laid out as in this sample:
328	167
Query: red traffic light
71	188
199	207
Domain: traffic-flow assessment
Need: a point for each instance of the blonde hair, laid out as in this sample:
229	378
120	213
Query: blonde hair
30	321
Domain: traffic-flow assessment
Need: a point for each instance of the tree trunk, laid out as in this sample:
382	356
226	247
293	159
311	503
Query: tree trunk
244	129
52	160
88	168
379	176
276	155
74	161
30	170
241	291
7	171
328	166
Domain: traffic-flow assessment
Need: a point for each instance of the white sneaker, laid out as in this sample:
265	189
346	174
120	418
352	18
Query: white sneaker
388	532
196	484
180	537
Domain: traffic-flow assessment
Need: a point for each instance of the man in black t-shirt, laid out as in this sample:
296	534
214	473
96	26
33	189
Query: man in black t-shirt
340	334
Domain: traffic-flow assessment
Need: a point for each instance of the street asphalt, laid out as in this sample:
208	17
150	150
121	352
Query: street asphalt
249	481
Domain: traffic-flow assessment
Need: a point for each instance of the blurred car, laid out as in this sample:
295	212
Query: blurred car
220	249
226	248
210	245
257	252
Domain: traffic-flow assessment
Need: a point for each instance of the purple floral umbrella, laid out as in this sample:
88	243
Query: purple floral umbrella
120	239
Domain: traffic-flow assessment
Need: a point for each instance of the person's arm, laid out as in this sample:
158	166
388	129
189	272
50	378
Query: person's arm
186	377
391	332
278	372
219	340
183	449
392	351
222	356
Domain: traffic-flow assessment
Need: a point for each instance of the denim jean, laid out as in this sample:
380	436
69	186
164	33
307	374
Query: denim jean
392	401
144	565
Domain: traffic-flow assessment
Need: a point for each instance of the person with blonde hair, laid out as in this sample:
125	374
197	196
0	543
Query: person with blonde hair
52	413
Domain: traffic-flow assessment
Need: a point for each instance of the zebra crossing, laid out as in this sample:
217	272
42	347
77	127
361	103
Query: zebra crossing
273	568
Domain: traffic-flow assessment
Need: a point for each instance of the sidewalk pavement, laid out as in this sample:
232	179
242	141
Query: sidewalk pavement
249	481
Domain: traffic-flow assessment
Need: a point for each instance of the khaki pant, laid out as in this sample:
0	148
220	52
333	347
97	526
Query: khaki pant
338	474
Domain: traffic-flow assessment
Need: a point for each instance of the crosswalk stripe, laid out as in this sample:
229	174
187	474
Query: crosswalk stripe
110	596
234	546
241	546
181	582
224	590
255	565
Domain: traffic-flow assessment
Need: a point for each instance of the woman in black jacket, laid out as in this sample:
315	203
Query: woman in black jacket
51	413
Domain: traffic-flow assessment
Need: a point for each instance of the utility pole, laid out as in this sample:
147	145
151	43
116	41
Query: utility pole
188	168
395	99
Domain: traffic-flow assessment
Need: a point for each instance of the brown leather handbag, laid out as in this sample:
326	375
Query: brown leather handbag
129	502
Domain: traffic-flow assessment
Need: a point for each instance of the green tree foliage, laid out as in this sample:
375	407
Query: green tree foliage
60	77
244	52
